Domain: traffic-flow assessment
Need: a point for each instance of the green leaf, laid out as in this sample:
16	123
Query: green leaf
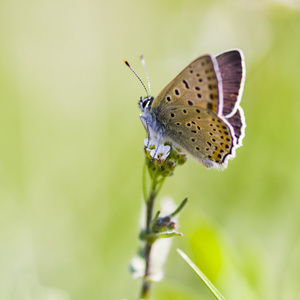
213	289
180	207
168	234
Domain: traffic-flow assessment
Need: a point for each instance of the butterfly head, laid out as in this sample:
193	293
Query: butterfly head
145	103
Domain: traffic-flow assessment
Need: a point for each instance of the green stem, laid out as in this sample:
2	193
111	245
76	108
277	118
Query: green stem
147	284
150	203
145	180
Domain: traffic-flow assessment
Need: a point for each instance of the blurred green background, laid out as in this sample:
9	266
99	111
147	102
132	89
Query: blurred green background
71	149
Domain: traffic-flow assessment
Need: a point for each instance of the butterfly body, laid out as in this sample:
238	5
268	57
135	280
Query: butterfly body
199	110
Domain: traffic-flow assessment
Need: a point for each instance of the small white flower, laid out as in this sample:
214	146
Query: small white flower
161	153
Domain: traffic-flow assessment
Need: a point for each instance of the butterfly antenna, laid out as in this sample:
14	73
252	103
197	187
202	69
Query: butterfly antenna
144	65
138	77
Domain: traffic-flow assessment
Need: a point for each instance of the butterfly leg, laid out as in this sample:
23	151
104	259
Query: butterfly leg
145	123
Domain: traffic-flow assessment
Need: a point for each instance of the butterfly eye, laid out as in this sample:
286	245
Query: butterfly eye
144	103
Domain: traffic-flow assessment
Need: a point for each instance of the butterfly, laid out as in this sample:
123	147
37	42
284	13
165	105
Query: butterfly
199	110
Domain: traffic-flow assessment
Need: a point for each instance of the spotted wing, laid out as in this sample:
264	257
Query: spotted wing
195	116
198	85
200	132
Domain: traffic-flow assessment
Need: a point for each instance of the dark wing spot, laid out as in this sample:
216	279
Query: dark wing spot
168	98
172	115
190	102
176	92
185	83
209	105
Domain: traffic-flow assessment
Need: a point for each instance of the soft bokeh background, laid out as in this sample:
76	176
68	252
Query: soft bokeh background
71	149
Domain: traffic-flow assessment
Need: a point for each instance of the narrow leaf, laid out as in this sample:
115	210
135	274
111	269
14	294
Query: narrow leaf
213	289
169	234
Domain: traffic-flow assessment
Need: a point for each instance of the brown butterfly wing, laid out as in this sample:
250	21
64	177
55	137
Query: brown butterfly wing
191	109
199	84
237	121
199	132
231	67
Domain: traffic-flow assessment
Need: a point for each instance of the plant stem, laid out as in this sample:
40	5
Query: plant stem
146	285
